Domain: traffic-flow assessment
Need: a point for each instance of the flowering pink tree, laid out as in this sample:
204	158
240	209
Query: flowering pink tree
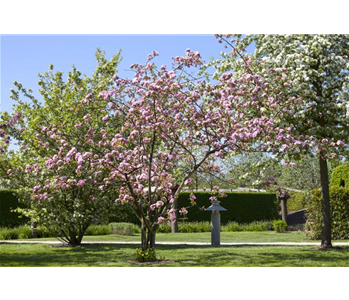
163	117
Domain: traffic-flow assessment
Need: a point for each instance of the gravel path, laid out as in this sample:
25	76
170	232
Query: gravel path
179	243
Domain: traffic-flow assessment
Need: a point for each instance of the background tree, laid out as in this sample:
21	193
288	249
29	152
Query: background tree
317	70
304	175
250	169
47	127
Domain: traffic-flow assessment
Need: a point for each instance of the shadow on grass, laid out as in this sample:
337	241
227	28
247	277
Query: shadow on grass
179	255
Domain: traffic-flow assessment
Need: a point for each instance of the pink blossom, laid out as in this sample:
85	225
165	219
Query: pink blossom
36	188
183	211
159	203
161	219
28	169
105	118
81	182
87	118
188	181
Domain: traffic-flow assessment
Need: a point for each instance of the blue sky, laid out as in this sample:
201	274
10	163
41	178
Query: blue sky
23	56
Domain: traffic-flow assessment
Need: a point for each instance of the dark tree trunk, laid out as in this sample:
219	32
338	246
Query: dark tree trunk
148	238
34	230
284	209
75	240
325	205
196	181
151	239
144	243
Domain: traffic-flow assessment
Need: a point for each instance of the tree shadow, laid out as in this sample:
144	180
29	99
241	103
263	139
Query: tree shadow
119	255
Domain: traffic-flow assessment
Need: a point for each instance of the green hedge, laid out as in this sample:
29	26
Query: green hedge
242	207
340	176
8	202
339	201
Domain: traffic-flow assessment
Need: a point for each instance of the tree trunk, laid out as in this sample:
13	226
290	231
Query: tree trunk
151	239
284	209
325	205
148	238
34	230
196	181
144	243
174	224
73	240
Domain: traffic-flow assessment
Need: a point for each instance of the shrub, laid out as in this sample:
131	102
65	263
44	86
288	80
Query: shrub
241	207
164	228
145	256
44	232
188	227
256	226
340	176
339	202
24	232
297	201
279	226
9	202
98	230
231	226
253	226
124	228
136	228
8	233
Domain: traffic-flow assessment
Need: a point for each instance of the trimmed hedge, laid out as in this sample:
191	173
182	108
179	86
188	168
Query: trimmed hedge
339	202
242	207
340	176
9	201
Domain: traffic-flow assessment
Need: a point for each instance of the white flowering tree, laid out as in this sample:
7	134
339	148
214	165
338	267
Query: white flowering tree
317	71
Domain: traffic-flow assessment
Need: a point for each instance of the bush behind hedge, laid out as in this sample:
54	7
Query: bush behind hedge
340	176
339	203
297	201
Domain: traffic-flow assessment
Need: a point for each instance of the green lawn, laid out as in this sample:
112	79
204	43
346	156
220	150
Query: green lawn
205	237
178	255
37	255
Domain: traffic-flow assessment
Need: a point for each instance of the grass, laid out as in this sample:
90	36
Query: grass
178	255
202	237
39	255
